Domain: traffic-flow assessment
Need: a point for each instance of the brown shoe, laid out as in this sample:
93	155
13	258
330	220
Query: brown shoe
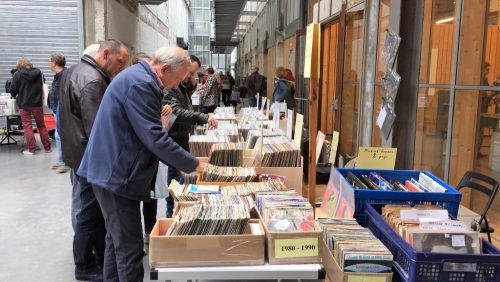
56	166
63	169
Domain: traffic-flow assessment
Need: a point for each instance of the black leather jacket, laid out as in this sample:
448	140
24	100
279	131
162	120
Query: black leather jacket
180	101
81	91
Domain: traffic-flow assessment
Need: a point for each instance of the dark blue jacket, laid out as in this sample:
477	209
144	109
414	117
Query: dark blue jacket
53	99
127	138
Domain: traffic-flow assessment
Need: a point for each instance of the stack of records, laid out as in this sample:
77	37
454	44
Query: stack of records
428	229
211	220
355	248
226	200
285	211
374	181
214	173
232	134
190	192
280	152
251	188
223	124
224	110
200	145
226	154
254	135
225	116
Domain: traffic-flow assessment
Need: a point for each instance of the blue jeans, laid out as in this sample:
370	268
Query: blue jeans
173	173
252	101
58	144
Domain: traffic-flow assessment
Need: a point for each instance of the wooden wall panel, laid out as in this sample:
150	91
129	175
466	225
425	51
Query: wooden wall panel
325	77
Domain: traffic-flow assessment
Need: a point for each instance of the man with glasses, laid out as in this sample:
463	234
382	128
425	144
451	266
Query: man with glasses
179	100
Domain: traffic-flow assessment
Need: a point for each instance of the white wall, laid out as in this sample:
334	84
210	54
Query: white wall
140	36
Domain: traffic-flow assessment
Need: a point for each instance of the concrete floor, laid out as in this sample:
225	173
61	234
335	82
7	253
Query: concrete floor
35	226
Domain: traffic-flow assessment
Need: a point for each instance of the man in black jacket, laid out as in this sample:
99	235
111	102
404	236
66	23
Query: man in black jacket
180	101
256	85
82	90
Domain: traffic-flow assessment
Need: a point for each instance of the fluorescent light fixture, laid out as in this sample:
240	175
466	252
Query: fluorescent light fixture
445	20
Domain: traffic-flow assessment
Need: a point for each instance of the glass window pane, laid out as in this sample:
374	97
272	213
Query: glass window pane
352	3
215	60
475	139
479	44
431	130
353	55
437	42
324	9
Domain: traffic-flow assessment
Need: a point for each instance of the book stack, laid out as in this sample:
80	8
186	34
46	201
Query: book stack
226	154
285	211
200	145
429	229
213	173
354	248
374	181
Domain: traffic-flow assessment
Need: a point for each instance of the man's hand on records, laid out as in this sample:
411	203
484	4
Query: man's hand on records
212	121
166	110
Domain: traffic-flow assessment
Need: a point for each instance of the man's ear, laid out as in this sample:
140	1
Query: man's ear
164	68
105	53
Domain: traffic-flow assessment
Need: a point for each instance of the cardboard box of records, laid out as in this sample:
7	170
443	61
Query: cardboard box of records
293	175
206	250
293	247
336	274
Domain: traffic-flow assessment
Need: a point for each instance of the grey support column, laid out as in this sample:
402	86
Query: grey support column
369	72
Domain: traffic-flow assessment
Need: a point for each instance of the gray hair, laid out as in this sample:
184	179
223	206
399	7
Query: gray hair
173	56
91	50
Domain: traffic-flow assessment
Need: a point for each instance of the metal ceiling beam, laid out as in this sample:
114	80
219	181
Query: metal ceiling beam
249	13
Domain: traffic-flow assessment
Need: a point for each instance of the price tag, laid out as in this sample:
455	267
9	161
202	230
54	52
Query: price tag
356	278
377	158
296	248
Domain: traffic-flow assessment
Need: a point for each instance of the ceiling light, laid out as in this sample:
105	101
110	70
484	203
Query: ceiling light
445	20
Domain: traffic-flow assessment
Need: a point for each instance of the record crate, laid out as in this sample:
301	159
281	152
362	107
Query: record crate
448	200
425	267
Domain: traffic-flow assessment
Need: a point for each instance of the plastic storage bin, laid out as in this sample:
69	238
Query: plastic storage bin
423	267
449	200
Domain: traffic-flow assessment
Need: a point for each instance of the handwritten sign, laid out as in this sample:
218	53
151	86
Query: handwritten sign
296	248
377	158
299	124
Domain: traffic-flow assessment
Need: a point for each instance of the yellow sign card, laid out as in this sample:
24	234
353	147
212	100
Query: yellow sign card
296	248
376	158
357	278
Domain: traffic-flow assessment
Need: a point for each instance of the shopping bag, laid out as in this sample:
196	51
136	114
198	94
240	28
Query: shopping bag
161	188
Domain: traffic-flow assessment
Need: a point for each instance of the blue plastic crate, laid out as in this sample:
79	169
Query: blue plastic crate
449	200
425	267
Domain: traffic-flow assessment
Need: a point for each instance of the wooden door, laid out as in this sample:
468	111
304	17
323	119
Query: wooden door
328	80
